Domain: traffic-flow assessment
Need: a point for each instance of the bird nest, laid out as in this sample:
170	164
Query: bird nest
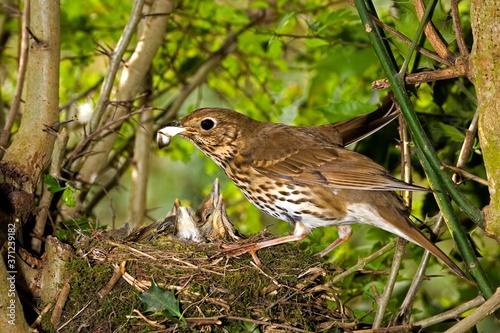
289	292
172	276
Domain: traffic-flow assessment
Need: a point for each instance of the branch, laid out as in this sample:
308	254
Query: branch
418	278
431	33
45	201
80	95
466	174
77	152
383	301
140	165
132	77
460	69
406	40
423	24
363	261
451	314
488	307
114	64
457	28
21	73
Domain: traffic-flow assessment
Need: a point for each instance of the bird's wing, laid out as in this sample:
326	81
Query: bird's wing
331	166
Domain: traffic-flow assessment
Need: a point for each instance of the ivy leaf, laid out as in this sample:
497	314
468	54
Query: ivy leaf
161	301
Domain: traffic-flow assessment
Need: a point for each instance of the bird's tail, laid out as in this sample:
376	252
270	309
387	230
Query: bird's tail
418	238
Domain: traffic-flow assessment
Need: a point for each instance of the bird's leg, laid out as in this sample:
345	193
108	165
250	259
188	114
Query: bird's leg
345	233
234	250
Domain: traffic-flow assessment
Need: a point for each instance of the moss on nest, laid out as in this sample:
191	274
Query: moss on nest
216	294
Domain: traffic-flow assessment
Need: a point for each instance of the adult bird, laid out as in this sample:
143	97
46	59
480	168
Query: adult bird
304	175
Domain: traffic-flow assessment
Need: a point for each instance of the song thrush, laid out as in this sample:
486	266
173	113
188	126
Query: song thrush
304	175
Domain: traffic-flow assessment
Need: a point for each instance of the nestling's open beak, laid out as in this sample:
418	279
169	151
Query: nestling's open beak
165	134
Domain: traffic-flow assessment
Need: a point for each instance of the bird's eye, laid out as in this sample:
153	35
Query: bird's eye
207	124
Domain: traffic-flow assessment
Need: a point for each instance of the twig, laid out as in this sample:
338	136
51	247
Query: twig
76	152
61	301
55	171
140	164
488	307
432	35
392	329
147	320
466	150
115	62
130	248
418	278
467	175
406	40
313	35
457	27
42	313
273	280
376	294
265	323
451	314
139	285
383	301
363	261
80	95
459	70
188	264
203	321
117	274
21	74
76	315
405	157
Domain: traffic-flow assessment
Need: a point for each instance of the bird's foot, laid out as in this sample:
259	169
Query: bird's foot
236	250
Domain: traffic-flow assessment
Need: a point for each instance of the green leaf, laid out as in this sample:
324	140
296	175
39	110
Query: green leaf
68	195
53	185
336	18
161	301
284	21
448	131
68	198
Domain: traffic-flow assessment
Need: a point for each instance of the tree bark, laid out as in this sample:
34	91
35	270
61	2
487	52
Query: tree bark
31	148
485	73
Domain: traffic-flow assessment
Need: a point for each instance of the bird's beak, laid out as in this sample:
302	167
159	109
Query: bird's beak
165	134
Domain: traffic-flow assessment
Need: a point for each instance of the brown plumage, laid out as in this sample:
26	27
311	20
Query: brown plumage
304	175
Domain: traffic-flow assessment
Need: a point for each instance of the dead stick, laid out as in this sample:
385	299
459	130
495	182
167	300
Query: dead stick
61	301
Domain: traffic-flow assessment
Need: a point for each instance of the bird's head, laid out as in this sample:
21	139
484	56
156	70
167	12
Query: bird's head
214	131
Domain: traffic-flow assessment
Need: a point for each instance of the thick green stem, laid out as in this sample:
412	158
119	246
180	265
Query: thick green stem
439	180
